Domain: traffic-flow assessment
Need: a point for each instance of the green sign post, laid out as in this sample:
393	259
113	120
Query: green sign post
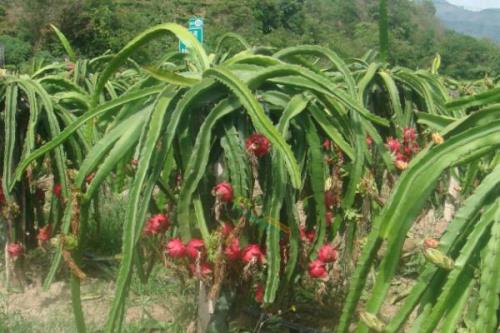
195	26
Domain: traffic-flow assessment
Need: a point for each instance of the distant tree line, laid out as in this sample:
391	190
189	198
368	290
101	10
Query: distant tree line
349	27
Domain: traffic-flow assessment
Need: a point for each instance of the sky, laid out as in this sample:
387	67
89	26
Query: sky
476	4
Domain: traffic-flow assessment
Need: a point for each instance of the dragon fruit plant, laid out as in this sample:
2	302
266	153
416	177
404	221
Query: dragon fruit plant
271	166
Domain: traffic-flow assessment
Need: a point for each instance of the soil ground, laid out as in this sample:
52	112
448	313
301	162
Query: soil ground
32	309
162	305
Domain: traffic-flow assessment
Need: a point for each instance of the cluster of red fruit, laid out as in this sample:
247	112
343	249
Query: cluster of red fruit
194	251
403	152
16	249
252	253
317	268
307	235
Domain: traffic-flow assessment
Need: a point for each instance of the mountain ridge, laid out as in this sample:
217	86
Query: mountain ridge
482	24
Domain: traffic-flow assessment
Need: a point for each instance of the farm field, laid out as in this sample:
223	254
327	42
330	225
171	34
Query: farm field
244	188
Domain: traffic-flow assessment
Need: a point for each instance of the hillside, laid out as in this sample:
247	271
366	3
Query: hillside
348	27
484	23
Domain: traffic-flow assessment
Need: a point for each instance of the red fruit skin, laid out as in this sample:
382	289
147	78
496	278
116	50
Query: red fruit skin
204	271
259	294
233	251
223	191
401	157
369	141
394	145
15	250
253	253
44	233
194	248
134	162
317	269
329	199
57	190
327	144
226	229
156	224
407	150
258	144
307	235
327	253
175	248
409	134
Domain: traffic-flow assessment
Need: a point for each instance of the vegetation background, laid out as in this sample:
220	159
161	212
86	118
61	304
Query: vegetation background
348	27
366	102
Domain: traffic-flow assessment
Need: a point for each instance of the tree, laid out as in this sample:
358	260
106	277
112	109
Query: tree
16	50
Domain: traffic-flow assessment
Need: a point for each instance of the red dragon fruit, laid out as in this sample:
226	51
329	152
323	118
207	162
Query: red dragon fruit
156	224
317	269
15	250
175	248
194	248
253	253
327	253
258	145
233	251
223	191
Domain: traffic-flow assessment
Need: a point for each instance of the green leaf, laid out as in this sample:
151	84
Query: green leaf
198	161
464	217
170	77
490	280
196	51
10	137
98	111
316	171
132	225
127	127
454	282
434	121
261	122
402	207
488	97
65	43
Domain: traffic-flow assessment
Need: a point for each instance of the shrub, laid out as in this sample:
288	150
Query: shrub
17	51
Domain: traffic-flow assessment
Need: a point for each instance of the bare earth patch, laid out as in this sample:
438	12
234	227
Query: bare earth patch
37	305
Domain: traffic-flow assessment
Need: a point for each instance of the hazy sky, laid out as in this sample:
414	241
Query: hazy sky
476	4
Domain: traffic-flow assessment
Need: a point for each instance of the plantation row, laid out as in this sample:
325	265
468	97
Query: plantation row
260	171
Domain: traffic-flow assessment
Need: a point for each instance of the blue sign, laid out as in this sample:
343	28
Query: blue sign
195	26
